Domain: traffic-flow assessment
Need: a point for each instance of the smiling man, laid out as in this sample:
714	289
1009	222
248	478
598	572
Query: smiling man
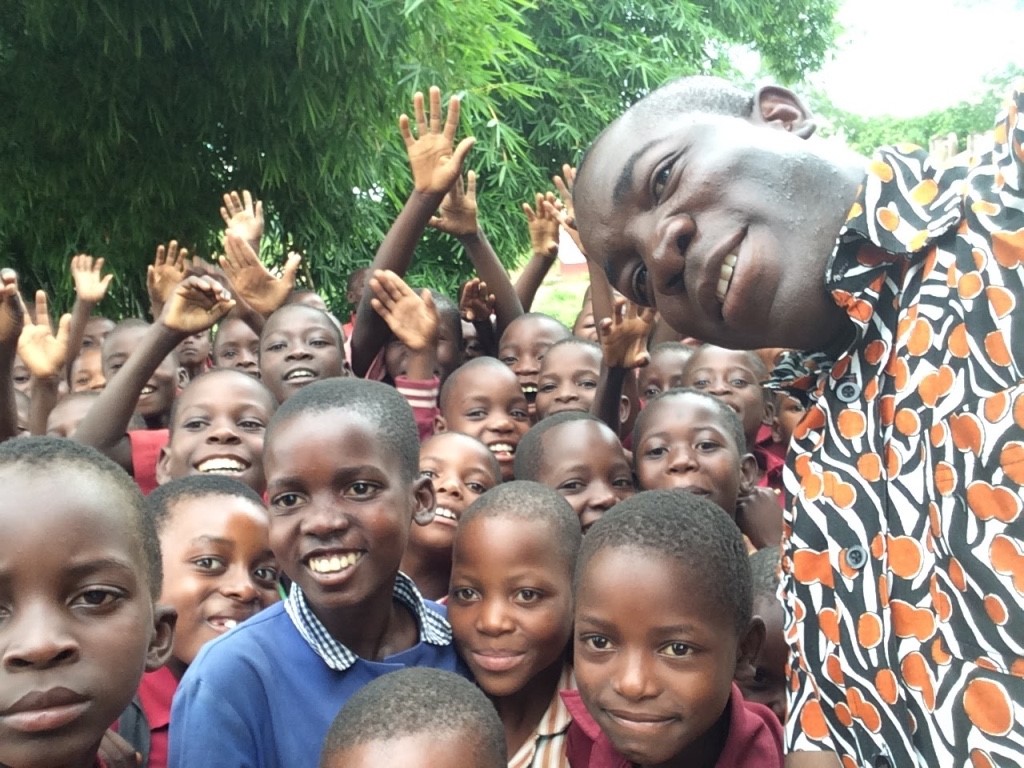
903	564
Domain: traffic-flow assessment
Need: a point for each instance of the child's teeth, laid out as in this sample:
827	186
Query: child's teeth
230	623
725	276
221	465
501	447
444	512
333	563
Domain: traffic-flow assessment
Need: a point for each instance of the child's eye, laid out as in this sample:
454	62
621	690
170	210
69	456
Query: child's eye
428	473
706	446
194	424
546	387
651	392
588	384
361	488
286	500
464	594
277	346
519	414
596	642
208	563
622	482
252	424
227	354
676	649
740	383
477	488
319	343
700	384
528	595
265	574
476	413
509	360
638	286
98	597
571	486
656	452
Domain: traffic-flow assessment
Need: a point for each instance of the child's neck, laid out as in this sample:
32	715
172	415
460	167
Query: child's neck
375	628
705	751
156	421
521	712
430	569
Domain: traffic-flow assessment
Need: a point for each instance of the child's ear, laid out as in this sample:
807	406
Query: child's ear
183	378
162	641
424	501
749	646
749	472
440	425
625	406
162	472
768	417
781	108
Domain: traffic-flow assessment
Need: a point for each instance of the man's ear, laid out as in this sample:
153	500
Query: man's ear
162	641
440	425
424	501
748	473
749	646
780	107
162	471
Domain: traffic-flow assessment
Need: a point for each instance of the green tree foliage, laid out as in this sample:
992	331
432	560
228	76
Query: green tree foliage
866	134
124	121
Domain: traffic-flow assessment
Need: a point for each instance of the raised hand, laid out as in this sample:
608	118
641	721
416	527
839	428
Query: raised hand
624	335
412	318
253	283
43	353
435	165
243	216
169	267
476	303
458	209
543	224
90	284
12	310
564	184
195	304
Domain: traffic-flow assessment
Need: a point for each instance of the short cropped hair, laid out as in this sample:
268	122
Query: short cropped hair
527	501
331	322
493	465
554	322
730	421
689	529
448	312
52	454
764	571
529	457
388	411
753	359
160	503
271	400
415	701
687	350
579	341
467	367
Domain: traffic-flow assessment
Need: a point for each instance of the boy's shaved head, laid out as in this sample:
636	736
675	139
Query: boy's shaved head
51	454
477	363
160	503
689	529
530	453
529	501
419	701
730	420
764	571
378	403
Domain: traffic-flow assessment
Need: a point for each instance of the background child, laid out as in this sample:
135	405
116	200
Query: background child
78	621
581	459
663	625
766	681
341	458
299	345
523	345
460	468
568	377
236	345
510	605
416	718
665	370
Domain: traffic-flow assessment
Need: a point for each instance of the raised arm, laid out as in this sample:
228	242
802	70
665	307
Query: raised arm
543	226
252	282
623	338
90	288
45	355
436	163
243	216
193	306
169	267
411	317
12	318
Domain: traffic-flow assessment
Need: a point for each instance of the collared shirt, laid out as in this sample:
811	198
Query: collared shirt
546	746
433	628
904	556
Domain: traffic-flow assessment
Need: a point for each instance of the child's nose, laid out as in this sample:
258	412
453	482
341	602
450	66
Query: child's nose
567	394
633	679
299	352
682	460
602	497
222	433
238	585
493	619
40	639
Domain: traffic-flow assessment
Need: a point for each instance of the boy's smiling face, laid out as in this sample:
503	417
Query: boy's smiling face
237	346
340	508
157	396
584	462
510	603
654	657
523	346
218	428
299	346
568	379
218	568
734	377
77	621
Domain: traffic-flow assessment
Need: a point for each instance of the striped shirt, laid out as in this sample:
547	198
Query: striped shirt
546	746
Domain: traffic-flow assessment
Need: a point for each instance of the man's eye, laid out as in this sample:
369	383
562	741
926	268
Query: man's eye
638	286
661	178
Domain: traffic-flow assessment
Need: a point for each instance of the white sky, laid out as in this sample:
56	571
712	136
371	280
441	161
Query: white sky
907	57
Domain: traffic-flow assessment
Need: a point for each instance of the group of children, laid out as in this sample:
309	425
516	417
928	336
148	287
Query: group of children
351	521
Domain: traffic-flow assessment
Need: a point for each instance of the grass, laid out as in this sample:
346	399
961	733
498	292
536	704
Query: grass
561	295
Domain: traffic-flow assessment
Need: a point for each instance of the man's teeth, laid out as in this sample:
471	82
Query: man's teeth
444	512
725	276
221	465
502	448
333	563
300	374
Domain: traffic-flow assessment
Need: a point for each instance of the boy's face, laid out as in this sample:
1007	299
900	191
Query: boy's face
673	206
67	415
87	371
487	403
685	445
194	350
730	376
158	394
523	346
237	346
510	603
568	379
218	428
471	346
788	413
766	681
77	622
340	509
461	469
664	372
584	327
654	656
585	463
420	750
218	568
21	376
299	346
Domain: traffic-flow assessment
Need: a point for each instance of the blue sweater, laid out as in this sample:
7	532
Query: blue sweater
260	696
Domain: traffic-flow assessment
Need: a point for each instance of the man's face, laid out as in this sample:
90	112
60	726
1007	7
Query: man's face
724	224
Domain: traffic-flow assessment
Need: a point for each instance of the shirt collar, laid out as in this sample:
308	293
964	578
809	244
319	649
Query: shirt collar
433	628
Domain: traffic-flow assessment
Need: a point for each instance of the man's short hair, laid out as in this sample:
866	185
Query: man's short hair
689	529
415	701
389	413
160	503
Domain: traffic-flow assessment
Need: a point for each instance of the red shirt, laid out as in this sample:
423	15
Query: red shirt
155	693
146	446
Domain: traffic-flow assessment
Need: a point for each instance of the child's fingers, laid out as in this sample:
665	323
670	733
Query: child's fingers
105	282
417	108
64	328
459	156
291	268
247	200
225	216
471	184
97	266
434	116
403	128
161	256
451	125
530	216
259	211
43	309
428	302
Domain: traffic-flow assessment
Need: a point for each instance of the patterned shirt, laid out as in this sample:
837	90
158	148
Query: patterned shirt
434	629
904	552
546	746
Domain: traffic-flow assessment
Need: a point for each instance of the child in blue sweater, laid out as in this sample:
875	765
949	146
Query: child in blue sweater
341	459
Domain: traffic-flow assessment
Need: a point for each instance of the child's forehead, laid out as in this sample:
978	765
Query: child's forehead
492	382
719	358
226	389
297	319
208	514
689	408
563	355
532	330
450	445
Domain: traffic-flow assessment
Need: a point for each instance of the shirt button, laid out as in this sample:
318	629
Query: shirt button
848	390
856	557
